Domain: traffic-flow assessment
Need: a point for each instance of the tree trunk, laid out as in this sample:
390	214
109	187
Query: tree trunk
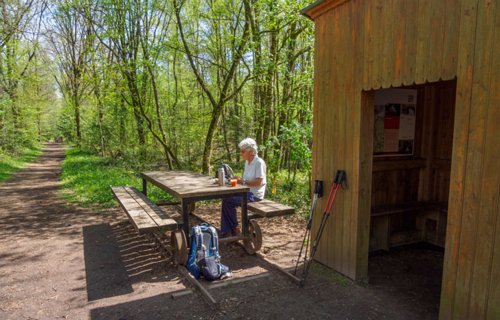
100	116
169	155
207	152
223	94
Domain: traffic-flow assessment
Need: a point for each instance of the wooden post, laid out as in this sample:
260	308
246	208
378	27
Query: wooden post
206	295
144	187
244	213
185	216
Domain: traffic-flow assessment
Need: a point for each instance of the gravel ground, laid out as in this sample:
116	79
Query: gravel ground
58	261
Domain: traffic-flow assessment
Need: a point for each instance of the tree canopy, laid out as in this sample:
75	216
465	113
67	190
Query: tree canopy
177	83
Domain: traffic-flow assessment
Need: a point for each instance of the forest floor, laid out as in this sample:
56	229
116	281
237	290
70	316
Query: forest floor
59	261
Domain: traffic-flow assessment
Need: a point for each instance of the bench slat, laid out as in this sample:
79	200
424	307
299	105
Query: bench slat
405	207
160	217
267	208
140	220
145	215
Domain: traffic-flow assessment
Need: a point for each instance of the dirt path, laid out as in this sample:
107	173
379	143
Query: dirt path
58	261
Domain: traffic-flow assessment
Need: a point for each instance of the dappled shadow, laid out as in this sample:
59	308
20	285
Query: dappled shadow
37	223
30	205
16	258
144	262
105	273
325	296
116	258
49	274
141	255
30	208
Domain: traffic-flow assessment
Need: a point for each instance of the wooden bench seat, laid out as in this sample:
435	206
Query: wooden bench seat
267	209
382	235
145	216
401	208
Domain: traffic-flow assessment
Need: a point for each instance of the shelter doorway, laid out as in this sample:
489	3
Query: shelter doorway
410	186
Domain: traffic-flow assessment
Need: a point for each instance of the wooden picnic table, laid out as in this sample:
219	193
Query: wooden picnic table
189	187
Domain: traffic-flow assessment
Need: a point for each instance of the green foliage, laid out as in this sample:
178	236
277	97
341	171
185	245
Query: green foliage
23	93
298	137
294	193
10	163
87	179
123	88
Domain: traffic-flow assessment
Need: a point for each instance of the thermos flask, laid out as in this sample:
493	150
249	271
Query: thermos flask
220	175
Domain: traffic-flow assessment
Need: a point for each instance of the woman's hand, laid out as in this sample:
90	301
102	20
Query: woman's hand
257	182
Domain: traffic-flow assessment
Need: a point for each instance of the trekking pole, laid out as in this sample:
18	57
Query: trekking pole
338	181
318	193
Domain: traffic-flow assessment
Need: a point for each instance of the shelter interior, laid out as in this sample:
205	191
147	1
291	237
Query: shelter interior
410	189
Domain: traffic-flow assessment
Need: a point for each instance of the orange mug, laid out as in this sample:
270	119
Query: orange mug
234	182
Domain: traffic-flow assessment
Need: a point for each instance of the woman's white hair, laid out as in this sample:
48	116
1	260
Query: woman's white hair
248	144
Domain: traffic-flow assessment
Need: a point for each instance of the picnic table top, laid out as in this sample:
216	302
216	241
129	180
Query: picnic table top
185	184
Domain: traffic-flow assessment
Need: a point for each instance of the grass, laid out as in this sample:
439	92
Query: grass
292	192
87	179
10	164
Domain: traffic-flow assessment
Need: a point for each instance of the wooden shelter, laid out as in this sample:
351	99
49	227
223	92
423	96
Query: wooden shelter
447	189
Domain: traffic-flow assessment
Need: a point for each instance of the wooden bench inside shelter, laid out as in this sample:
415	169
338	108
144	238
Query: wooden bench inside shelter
146	217
268	209
429	224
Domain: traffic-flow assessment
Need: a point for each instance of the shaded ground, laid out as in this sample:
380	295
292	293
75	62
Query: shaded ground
58	261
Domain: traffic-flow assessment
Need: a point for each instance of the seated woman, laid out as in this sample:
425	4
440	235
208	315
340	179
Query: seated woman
254	176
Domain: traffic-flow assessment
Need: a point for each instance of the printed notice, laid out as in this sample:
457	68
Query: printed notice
394	128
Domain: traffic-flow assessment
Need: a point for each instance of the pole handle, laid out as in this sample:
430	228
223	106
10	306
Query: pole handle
341	178
318	188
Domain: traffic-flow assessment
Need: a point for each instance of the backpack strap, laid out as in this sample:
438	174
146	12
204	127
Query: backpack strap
199	242
215	241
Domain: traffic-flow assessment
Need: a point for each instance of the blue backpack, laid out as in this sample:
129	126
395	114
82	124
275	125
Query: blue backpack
204	258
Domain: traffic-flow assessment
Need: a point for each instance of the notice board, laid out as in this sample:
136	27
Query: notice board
395	119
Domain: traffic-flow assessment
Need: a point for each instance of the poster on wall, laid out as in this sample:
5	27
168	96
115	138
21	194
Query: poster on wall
394	130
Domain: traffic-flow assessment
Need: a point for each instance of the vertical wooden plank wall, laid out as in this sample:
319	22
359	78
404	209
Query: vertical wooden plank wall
459	160
427	138
491	181
337	126
364	45
421	47
446	39
470	280
320	145
442	134
450	43
362	147
438	107
410	44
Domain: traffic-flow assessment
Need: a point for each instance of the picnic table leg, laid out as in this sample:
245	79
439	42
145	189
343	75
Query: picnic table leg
185	216
244	213
144	187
